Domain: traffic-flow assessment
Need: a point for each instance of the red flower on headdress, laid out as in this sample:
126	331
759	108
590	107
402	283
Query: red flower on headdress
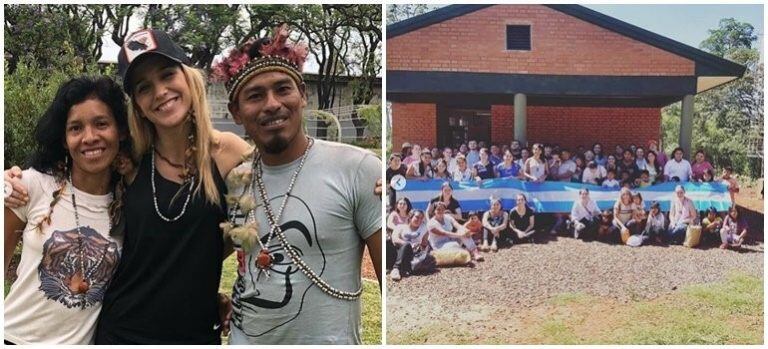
238	58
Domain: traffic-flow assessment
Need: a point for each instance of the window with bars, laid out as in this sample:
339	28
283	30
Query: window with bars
519	37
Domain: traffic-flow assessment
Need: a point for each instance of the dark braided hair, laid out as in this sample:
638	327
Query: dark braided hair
52	158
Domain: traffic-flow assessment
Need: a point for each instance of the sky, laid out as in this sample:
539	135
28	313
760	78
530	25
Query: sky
688	24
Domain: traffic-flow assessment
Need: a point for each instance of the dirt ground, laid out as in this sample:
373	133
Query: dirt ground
752	205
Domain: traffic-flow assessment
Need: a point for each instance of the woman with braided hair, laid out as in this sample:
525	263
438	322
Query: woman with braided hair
72	242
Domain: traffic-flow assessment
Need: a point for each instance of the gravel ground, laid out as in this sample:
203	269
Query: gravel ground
526	275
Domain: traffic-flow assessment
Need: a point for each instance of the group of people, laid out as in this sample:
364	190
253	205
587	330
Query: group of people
126	211
413	230
628	218
630	167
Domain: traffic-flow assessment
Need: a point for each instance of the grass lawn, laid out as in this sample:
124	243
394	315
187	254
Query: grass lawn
728	312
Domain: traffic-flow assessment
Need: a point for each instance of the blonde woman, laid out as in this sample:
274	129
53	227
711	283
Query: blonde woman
623	210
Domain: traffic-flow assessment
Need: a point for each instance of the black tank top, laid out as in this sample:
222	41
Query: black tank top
165	288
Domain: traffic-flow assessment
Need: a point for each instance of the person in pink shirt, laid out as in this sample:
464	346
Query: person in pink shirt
700	166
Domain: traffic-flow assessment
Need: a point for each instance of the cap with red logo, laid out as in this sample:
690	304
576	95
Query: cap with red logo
144	41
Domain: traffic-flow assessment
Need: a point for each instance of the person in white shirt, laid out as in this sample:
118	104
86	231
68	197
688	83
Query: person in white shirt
585	215
678	167
566	167
682	213
462	172
610	180
640	159
442	236
408	238
593	174
449	159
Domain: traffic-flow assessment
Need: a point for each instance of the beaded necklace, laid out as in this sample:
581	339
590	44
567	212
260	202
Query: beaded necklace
154	194
264	259
277	231
81	281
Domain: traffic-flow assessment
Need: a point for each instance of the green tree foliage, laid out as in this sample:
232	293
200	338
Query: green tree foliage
31	29
727	118
28	92
399	12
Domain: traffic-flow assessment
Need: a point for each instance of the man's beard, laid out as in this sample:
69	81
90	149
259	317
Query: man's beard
276	145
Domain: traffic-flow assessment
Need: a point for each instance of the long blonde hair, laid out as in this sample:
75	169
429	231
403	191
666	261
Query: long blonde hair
143	133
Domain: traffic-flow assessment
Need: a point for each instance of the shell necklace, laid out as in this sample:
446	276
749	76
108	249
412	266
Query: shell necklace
277	231
264	259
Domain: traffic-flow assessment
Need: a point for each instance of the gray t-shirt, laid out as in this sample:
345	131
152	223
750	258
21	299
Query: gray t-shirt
330	213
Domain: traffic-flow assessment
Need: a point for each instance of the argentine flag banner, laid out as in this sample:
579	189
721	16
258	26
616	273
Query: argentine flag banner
559	196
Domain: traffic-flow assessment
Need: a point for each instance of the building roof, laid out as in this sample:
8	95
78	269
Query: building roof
711	70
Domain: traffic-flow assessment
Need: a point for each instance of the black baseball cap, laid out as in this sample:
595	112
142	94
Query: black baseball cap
139	44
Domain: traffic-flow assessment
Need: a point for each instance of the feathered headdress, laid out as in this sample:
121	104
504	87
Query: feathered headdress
257	56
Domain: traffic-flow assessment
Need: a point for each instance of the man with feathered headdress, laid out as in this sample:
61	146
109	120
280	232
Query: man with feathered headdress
307	205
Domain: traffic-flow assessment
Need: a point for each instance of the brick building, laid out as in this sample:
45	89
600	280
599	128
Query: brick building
548	73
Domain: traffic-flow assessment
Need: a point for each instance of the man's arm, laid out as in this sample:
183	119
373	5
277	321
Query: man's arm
374	250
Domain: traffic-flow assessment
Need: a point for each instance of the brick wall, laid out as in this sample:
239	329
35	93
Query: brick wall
566	126
502	123
574	126
415	123
561	44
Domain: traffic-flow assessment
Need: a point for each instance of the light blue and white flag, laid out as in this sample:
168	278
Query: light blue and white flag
559	196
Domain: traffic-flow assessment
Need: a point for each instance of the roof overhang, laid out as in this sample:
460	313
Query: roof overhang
637	91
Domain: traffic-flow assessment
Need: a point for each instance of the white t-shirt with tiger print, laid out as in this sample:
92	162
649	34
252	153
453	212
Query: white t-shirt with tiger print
44	304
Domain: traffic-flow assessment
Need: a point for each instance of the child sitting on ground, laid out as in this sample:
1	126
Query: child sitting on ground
734	229
474	226
636	225
711	225
655	225
605	228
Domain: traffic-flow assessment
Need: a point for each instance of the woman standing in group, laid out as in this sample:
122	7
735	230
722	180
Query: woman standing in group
536	168
441	170
462	172
508	168
655	171
446	197
483	169
69	226
174	203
